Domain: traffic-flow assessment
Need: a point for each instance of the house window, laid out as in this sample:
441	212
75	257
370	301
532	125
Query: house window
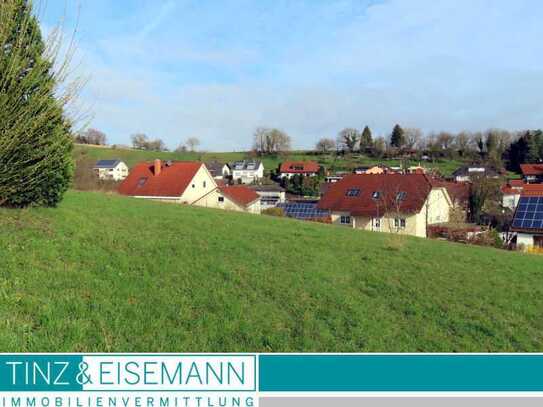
376	195
401	196
345	220
204	184
352	192
221	198
377	223
399	223
193	185
142	181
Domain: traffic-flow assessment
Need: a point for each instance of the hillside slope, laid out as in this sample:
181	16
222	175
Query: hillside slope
132	157
105	273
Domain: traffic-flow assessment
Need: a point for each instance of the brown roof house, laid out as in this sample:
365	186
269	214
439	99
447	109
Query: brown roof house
396	203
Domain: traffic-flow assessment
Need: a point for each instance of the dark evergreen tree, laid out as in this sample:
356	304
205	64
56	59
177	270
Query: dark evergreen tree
397	138
366	140
527	149
35	137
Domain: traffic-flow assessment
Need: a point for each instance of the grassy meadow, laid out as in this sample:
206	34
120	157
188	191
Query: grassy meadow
108	273
132	157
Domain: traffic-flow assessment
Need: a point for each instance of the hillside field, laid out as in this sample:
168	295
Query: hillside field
107	273
132	157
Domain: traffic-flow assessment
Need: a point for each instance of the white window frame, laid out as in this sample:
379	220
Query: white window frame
344	218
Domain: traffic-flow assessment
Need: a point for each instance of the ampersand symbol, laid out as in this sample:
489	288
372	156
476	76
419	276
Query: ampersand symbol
83	377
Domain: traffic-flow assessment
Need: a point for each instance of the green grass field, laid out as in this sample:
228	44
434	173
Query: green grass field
106	273
132	157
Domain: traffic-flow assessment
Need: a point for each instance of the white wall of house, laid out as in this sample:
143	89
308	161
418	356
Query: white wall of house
119	173
270	199
510	201
525	239
435	210
290	174
202	184
248	176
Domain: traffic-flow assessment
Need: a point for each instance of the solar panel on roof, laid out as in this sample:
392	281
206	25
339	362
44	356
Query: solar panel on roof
529	213
303	210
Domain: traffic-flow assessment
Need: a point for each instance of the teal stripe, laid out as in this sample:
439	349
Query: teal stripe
57	368
350	373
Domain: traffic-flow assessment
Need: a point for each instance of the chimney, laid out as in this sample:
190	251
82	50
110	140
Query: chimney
158	167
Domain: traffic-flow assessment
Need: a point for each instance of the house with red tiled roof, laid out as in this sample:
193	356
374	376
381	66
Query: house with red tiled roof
238	198
188	183
533	173
459	192
511	192
289	169
396	203
528	218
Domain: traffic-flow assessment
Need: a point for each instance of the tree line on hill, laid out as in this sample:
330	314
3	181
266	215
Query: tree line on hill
494	146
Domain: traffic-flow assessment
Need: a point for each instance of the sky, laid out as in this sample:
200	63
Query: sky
217	70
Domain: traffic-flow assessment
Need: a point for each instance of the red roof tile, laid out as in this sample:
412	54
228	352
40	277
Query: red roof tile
299	167
532	169
171	182
458	191
513	187
533	190
416	186
239	194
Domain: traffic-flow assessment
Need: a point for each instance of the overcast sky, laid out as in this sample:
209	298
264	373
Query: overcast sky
216	70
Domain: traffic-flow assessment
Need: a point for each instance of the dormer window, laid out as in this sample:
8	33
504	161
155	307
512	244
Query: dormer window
353	192
401	196
376	195
142	181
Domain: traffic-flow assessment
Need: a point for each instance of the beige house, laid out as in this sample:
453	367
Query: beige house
111	170
188	183
395	203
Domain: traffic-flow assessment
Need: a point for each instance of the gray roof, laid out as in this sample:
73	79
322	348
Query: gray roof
215	167
107	163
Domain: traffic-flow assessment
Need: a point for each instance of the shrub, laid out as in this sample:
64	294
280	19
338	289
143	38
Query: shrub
35	137
274	212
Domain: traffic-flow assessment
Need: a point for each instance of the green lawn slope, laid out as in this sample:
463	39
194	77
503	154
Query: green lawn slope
106	273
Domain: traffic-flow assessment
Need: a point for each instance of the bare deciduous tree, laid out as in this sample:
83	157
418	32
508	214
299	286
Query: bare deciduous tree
91	136
140	141
325	145
462	143
270	141
348	138
192	143
413	138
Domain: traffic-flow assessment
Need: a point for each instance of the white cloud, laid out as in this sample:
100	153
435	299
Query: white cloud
430	64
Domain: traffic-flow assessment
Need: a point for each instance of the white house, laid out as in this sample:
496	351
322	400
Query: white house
467	172
247	171
270	195
528	218
115	170
289	169
218	170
